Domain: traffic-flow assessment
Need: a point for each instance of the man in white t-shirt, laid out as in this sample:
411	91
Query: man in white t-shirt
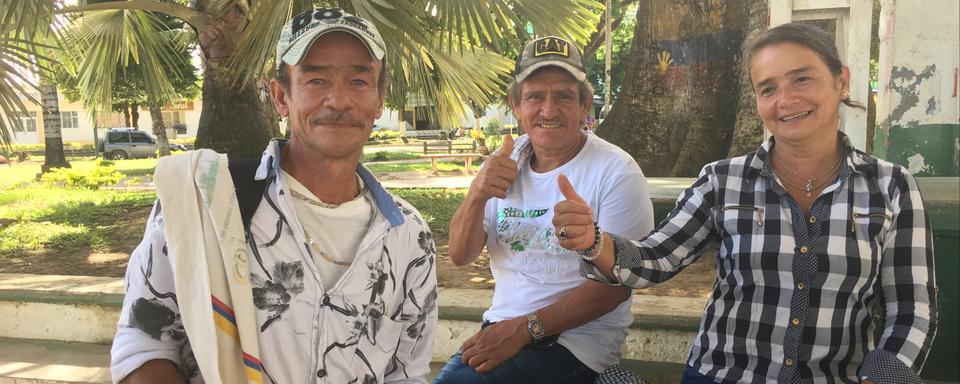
546	324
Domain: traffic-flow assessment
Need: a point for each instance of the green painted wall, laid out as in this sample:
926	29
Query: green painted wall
936	143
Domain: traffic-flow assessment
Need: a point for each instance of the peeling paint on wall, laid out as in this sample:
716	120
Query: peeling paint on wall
927	149
915	164
933	107
907	84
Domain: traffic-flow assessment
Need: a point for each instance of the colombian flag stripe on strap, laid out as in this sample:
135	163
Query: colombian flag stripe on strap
225	320
223	310
253	368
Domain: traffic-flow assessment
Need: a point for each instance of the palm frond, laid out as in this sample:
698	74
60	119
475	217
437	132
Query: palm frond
259	41
104	39
26	40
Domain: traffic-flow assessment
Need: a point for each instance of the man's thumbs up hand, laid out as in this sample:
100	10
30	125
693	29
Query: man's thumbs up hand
572	218
497	174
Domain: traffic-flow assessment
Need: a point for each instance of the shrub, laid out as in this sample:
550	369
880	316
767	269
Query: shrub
101	174
493	142
380	156
491	128
385	135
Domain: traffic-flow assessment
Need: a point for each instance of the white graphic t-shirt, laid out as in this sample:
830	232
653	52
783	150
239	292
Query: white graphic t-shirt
532	270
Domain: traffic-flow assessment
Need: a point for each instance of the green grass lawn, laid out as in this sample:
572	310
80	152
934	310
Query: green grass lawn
40	218
388	156
442	166
437	205
13	175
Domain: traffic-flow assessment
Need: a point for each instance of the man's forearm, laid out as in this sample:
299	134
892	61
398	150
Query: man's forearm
154	371
587	302
467	236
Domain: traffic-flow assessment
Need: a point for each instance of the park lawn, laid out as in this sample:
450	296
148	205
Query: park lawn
13	175
40	218
388	156
35	217
442	166
436	205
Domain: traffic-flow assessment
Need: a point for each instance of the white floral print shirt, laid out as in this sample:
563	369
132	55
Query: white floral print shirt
375	325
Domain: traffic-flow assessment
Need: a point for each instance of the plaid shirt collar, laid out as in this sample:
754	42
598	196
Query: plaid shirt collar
760	164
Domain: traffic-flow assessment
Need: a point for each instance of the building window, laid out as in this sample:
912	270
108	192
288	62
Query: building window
28	122
69	119
172	117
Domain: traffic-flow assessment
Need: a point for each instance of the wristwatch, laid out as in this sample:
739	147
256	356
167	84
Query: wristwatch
535	327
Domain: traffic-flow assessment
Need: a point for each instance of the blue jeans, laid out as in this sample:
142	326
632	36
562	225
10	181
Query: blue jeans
552	364
692	376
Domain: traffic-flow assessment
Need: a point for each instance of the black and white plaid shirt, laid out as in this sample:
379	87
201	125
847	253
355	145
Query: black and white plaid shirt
794	296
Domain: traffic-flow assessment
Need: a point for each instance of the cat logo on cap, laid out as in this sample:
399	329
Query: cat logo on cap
551	46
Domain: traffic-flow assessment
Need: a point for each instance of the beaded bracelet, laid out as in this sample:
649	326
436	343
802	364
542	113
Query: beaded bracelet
599	250
597	243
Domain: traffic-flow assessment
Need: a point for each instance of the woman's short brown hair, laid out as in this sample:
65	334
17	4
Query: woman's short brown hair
804	35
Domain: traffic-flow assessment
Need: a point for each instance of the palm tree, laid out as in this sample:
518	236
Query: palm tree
26	50
440	50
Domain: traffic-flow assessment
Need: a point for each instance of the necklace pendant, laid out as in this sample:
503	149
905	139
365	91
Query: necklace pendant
809	187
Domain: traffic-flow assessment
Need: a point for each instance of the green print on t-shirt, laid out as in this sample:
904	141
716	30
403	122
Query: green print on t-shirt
525	230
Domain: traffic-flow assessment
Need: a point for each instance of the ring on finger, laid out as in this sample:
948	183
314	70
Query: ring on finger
562	233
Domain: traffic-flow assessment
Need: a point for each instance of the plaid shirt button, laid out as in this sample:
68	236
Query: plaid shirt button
804	249
795	321
812	219
788	362
801	286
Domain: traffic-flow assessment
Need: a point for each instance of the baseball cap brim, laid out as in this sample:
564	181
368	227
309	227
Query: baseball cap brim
576	73
295	53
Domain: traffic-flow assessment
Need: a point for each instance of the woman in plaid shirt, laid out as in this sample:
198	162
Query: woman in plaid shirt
816	238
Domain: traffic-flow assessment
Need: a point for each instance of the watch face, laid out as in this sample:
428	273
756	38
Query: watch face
536	328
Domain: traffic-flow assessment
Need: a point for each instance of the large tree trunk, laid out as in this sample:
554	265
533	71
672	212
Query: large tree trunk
748	131
159	129
638	123
676	113
52	139
234	119
711	32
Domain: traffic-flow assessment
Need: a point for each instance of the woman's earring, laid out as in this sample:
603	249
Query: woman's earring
844	95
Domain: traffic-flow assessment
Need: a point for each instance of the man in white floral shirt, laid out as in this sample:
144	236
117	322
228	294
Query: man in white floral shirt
342	274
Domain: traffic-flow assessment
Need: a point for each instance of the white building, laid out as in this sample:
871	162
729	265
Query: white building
77	126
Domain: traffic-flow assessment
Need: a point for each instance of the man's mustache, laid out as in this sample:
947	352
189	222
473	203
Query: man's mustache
337	118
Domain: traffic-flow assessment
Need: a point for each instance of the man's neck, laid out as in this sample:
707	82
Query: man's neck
332	180
546	161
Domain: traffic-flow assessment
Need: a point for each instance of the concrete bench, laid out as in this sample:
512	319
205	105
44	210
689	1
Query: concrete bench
84	309
448	146
466	157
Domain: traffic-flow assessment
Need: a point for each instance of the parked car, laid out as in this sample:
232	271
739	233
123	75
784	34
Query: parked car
177	147
125	143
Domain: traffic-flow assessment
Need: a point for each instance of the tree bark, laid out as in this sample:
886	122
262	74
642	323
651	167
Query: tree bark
710	111
135	115
748	130
126	114
641	122
159	129
52	136
234	119
677	113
